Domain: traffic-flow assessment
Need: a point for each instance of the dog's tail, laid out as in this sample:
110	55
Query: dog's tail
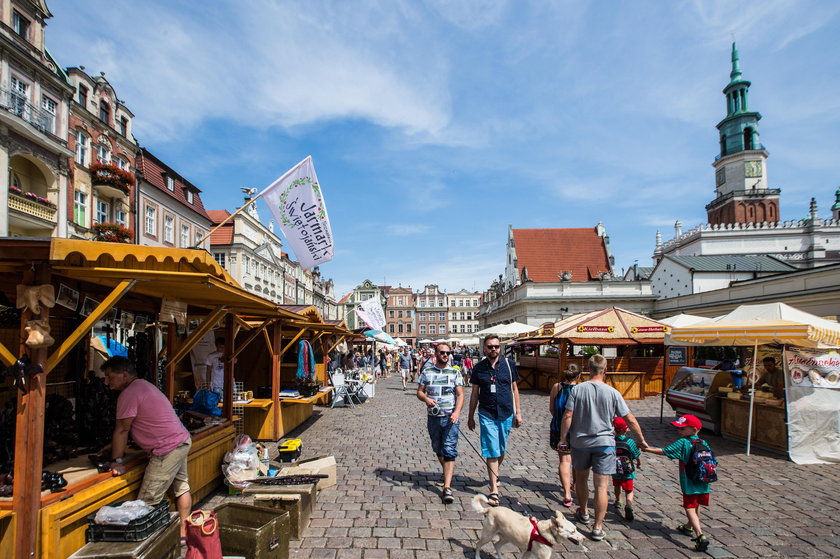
477	501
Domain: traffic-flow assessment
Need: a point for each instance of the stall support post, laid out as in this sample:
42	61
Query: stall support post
752	398
276	362
171	338
29	436
230	332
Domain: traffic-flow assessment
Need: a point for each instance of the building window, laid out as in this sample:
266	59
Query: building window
190	198
390	314
475	302
79	208
442	328
104	112
408	328
469	315
123	126
20	24
50	108
81	147
423	329
463	329
19	98
103	154
432	329
454	316
170	183
102	211
391	327
422	316
462	316
198	236
185	236
121	217
83	93
454	329
247	265
399	328
442	316
399	314
460	302
151	221
422	303
122	163
168	229
408	314
440	302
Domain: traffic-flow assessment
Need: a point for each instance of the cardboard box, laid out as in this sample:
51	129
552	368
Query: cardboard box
324	465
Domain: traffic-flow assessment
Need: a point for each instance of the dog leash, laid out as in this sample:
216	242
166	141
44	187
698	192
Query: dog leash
478	453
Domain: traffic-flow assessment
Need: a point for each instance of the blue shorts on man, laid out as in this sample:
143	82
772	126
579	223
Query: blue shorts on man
494	435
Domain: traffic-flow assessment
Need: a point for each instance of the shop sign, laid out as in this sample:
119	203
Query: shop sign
596	328
173	311
677	356
646	329
817	370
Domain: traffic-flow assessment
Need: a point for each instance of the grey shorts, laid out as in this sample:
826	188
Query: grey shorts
600	459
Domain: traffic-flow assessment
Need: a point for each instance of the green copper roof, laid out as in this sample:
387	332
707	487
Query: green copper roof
836	205
735	74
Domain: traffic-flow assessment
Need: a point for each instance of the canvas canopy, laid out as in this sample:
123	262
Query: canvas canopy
505	330
613	325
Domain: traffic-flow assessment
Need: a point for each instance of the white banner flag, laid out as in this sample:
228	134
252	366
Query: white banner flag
373	309
365	318
296	201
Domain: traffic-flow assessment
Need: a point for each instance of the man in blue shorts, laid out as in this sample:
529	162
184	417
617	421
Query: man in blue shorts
495	394
588	420
441	388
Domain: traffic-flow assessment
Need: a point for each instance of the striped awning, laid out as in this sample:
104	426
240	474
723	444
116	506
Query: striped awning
737	333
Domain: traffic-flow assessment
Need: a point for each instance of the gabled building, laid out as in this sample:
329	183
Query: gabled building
361	293
34	94
432	313
100	135
169	208
463	313
399	314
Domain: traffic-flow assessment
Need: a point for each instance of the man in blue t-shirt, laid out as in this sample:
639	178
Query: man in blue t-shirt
441	388
495	394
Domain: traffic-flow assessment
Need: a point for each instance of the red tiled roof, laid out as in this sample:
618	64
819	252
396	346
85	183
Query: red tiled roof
224	234
154	170
344	299
546	253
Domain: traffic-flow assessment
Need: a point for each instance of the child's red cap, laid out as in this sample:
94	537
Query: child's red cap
688	421
620	424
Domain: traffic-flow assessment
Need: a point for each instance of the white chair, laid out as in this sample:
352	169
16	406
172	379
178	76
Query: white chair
343	390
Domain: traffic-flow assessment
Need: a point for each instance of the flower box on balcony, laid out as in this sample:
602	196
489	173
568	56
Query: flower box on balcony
109	175
31	196
112	233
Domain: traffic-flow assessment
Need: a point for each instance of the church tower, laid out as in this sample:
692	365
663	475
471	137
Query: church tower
742	192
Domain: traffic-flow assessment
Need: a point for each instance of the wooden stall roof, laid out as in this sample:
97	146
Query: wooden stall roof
189	276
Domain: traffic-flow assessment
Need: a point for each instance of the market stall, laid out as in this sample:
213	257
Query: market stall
632	344
811	396
99	285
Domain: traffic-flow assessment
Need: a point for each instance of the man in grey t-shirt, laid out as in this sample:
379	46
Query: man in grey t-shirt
588	420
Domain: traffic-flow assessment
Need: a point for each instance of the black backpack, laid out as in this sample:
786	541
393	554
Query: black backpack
702	464
623	458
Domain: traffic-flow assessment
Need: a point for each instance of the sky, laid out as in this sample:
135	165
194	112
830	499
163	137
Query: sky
434	124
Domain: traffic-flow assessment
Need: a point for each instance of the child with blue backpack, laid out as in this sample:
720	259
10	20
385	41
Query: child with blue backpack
557	405
697	471
626	461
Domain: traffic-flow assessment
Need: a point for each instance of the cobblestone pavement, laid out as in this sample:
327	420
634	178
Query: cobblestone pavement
387	501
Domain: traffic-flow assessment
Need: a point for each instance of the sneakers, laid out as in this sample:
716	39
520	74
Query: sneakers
685	529
597	534
582	517
617	504
447	496
701	543
628	513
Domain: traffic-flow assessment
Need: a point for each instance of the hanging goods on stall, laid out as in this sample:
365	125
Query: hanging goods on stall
702	464
623	459
203	540
306	361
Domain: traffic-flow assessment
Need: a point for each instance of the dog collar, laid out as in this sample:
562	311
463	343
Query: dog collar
536	536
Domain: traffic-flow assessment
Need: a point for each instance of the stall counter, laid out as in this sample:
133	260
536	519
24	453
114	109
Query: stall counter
769	428
259	417
63	524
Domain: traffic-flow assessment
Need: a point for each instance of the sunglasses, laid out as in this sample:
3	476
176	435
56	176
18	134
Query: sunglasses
492	346
444	353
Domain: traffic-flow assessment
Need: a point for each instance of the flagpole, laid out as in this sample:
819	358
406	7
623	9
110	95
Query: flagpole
251	201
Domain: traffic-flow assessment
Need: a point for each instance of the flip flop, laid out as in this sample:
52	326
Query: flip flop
567	503
493	499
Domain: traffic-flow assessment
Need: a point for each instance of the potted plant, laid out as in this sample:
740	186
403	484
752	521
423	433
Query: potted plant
31	196
109	174
112	233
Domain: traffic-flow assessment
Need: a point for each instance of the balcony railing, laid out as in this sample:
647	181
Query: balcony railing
20	106
30	207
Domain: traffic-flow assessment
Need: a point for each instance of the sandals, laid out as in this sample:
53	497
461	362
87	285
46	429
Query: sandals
447	496
567	503
685	529
701	543
582	517
493	499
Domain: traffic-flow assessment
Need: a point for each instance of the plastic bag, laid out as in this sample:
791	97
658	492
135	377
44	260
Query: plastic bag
206	402
242	463
123	514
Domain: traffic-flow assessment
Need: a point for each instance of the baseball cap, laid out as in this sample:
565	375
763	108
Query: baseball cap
620	424
688	421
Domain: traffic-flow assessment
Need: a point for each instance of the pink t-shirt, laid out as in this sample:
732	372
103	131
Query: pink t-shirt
155	428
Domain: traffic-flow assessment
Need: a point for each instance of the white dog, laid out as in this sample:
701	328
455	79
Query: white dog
502	525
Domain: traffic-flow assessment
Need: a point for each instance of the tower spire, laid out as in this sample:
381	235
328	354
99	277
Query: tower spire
735	74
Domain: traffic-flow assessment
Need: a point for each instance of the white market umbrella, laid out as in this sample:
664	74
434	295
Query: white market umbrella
752	325
506	330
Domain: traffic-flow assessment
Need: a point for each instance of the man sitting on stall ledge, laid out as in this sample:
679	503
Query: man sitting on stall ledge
147	414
